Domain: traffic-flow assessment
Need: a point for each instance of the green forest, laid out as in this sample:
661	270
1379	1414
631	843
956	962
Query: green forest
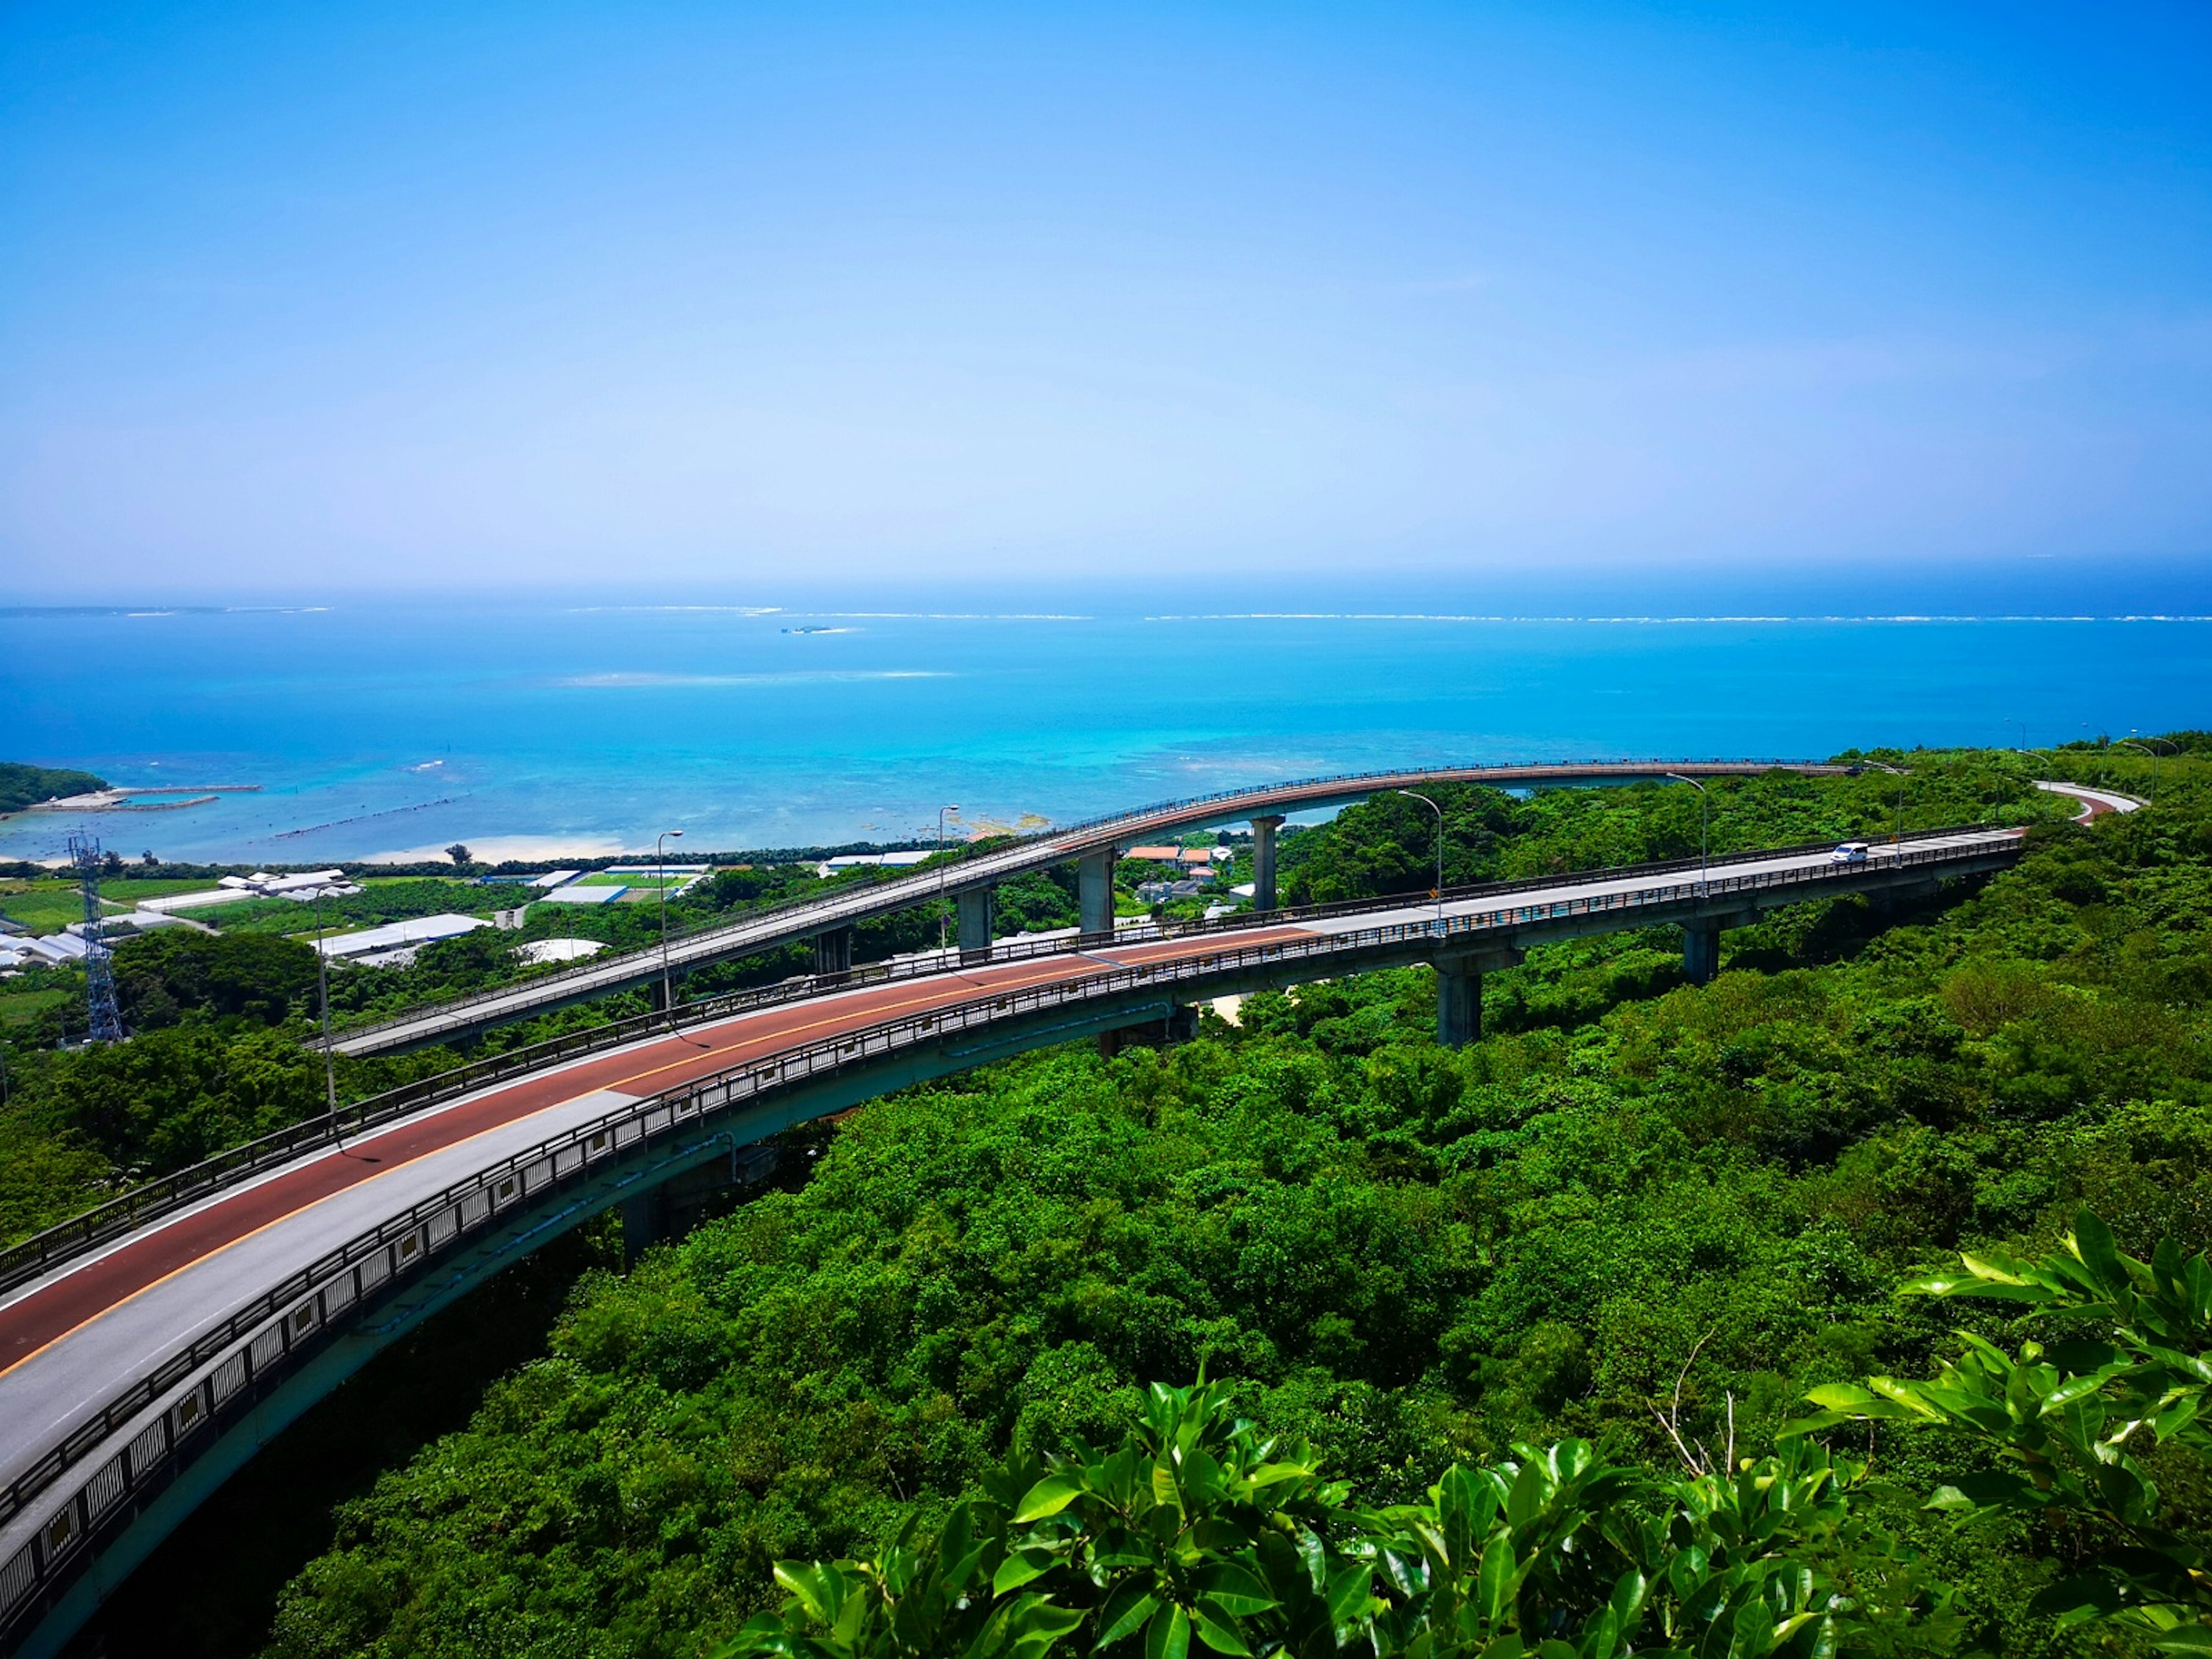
20	786
1634	1326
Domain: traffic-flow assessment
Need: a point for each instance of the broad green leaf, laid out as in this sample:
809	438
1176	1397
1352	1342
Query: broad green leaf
1019	1568
2094	1242
1236	1586
1494	1579
1349	1589
1125	1611
1047	1497
1037	1624
1167	1637
1218	1628
1165	1490
819	1588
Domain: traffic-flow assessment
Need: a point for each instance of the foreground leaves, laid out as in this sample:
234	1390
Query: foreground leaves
2066	1425
1197	1534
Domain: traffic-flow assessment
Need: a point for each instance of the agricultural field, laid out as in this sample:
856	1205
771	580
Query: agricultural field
43	907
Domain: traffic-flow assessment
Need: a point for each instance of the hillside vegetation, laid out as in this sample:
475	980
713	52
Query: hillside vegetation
1640	1215
22	786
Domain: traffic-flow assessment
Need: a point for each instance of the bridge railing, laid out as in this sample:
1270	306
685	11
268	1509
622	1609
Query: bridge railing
833	904
165	1195
227	1368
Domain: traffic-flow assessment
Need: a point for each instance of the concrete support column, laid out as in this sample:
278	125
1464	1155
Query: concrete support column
1701	951
975	903
833	952
641	1223
1180	1026
1263	860
1094	886
1459	1003
656	994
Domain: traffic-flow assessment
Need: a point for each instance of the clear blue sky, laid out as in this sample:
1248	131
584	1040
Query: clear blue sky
316	298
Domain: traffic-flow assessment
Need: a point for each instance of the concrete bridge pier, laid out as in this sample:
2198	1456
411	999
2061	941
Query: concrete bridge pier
975	908
1701	951
1459	1005
1263	860
833	952
1180	1026
1888	900
1094	888
680	1203
641	1223
1459	992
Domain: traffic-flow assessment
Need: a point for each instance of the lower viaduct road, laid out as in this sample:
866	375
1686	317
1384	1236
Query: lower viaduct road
829	920
138	1370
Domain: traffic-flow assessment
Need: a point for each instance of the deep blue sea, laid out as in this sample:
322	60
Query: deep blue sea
531	728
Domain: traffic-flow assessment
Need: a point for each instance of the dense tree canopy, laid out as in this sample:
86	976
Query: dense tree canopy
1639	1214
22	785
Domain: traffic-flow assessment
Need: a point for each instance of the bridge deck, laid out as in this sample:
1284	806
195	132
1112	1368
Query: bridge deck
766	931
65	1339
71	1342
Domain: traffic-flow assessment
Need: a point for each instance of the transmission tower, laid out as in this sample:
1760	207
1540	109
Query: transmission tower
106	1025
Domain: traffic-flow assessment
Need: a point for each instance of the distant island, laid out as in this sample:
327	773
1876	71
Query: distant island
22	786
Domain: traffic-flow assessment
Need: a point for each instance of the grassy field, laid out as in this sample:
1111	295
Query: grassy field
384	900
44	907
20	1008
47	907
136	887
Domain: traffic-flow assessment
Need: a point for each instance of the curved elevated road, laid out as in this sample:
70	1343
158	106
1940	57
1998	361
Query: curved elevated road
136	1376
766	930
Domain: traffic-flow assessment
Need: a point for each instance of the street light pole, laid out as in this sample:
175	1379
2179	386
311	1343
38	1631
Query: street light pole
1705	825
1440	812
2144	744
323	988
941	811
661	876
1900	775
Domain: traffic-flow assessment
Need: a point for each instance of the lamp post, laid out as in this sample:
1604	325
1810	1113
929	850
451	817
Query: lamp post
661	875
1900	775
941	811
1705	823
323	990
1440	812
2144	744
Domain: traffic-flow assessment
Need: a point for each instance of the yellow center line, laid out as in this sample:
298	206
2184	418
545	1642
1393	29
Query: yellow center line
569	1100
1017	978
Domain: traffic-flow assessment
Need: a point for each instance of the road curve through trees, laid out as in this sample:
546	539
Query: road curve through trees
135	1375
766	930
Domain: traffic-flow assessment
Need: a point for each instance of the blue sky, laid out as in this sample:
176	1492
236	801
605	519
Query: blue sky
336	298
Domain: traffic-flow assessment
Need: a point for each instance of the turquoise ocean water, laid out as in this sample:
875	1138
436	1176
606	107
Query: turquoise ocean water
529	728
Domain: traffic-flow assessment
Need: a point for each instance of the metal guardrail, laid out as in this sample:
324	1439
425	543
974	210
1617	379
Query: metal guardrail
28	1258
1018	853
228	1365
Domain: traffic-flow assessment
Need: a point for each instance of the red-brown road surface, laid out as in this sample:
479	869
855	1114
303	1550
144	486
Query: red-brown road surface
57	1306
